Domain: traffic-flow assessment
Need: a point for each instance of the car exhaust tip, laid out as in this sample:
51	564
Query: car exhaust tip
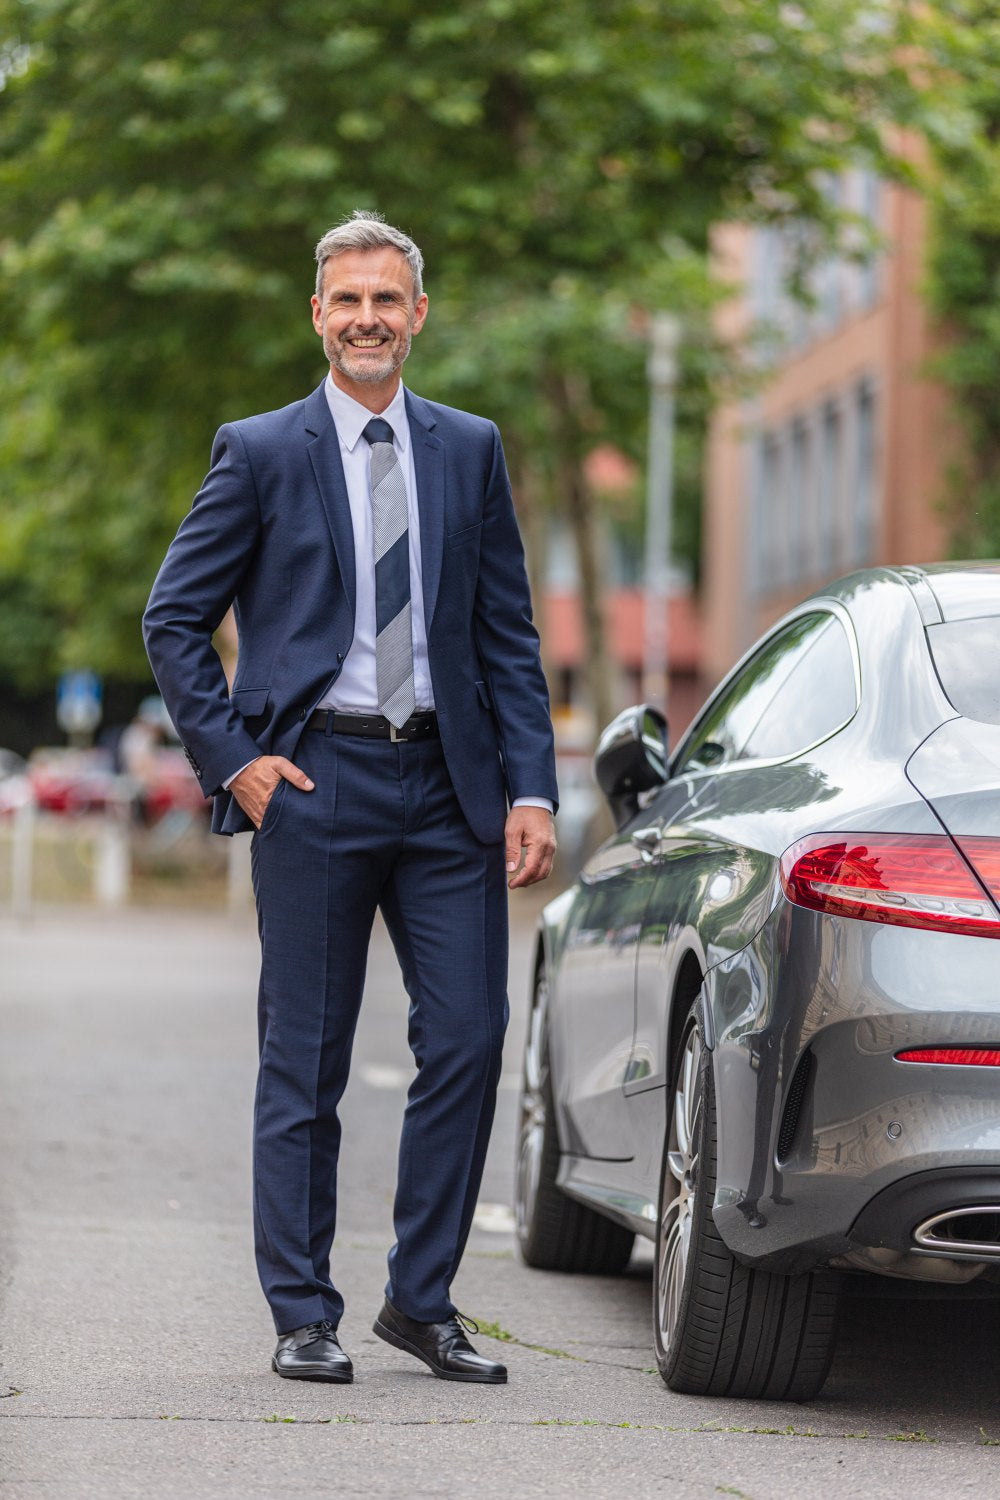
972	1233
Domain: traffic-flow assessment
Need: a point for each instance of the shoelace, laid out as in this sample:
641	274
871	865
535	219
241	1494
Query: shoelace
322	1330
460	1322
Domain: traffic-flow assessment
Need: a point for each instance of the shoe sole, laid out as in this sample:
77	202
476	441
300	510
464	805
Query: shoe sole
315	1374
399	1342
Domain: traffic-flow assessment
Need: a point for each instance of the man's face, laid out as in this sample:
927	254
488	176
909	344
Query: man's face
368	314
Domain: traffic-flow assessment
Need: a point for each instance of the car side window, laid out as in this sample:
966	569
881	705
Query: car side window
817	698
756	718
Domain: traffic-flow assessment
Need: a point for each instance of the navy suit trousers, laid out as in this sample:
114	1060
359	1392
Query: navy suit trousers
383	829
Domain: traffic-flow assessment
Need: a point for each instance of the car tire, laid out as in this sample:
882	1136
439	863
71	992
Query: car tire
720	1328
554	1232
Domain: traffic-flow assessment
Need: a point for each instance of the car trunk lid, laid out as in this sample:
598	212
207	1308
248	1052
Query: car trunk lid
957	771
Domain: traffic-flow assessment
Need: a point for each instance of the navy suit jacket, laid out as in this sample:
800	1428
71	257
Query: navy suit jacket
270	533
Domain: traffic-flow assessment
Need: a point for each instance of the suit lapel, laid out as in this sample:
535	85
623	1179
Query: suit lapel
323	447
428	465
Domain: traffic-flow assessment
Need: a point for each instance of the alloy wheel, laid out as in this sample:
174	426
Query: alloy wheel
679	1189
534	1111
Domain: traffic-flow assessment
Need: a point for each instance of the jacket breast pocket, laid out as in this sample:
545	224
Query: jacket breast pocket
249	703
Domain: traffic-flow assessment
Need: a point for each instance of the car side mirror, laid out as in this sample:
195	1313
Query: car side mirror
631	757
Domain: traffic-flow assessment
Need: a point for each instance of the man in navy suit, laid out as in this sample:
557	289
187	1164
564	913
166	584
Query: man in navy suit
389	704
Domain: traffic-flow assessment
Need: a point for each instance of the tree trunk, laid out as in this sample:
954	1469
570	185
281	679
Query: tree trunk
582	514
529	506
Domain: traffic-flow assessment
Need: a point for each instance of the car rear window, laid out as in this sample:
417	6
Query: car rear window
967	660
967	593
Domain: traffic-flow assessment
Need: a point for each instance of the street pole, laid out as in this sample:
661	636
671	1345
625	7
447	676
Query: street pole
661	371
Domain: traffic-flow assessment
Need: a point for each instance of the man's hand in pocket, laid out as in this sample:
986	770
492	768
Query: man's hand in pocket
254	787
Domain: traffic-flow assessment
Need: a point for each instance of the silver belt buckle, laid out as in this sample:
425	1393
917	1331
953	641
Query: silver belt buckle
395	735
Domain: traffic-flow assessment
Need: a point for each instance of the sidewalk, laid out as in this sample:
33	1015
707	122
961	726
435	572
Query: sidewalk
136	1346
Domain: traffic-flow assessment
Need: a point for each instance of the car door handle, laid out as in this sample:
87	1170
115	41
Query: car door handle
648	839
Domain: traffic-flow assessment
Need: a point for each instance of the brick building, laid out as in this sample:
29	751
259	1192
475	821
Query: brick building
837	460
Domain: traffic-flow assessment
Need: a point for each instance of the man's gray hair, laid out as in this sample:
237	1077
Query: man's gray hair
366	230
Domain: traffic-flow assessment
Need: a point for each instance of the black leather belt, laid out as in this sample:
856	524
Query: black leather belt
375	726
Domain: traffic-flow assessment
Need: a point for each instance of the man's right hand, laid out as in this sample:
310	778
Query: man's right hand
254	787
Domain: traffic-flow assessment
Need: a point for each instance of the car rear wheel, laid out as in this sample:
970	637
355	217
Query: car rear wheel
554	1232
721	1329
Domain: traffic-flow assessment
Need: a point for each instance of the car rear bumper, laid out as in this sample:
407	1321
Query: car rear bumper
827	1143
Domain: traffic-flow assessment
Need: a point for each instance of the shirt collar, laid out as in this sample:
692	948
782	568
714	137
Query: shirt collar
351	418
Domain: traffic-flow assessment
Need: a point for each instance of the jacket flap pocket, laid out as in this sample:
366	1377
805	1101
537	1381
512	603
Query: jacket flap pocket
484	694
466	534
250	701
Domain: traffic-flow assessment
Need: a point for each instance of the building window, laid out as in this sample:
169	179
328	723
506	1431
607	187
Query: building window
771	559
830	487
801	496
625	562
815	493
562	570
865	508
830	271
843	283
771	478
871	267
767	278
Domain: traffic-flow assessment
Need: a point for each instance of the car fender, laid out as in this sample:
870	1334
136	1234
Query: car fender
749	1057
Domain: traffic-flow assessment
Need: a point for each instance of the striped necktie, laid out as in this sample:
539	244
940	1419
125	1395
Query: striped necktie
393	642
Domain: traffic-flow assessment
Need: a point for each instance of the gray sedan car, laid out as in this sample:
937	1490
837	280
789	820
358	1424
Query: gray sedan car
765	1029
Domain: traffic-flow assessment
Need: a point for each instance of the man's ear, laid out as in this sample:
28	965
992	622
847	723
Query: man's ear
419	313
317	313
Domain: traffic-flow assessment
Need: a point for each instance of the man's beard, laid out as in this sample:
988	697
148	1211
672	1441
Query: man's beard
364	367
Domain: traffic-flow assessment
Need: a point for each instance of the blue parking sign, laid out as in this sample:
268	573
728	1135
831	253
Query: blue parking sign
78	702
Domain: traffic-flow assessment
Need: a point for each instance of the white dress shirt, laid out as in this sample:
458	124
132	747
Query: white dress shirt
355	690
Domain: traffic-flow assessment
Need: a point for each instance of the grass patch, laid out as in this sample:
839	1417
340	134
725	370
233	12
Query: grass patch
316	1421
504	1336
756	1431
608	1426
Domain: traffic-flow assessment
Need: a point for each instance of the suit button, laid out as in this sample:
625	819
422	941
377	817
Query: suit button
340	656
302	714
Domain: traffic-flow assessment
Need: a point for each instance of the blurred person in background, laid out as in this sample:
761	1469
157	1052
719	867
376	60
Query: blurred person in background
389	704
136	751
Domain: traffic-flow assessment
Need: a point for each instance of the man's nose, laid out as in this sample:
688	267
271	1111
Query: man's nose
367	315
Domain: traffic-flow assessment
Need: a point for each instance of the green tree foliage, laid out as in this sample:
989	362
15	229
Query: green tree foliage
963	43
166	167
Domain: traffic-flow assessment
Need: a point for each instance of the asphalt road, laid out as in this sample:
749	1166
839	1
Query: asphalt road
136	1346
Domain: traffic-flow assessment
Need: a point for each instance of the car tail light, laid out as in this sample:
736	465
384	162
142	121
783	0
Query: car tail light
910	880
963	1057
984	857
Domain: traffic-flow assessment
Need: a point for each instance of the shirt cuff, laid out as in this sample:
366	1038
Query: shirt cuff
532	802
227	784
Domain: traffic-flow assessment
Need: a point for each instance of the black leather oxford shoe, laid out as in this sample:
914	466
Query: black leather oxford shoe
312	1353
443	1347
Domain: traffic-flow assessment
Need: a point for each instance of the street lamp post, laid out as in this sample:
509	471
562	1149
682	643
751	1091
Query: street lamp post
661	371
